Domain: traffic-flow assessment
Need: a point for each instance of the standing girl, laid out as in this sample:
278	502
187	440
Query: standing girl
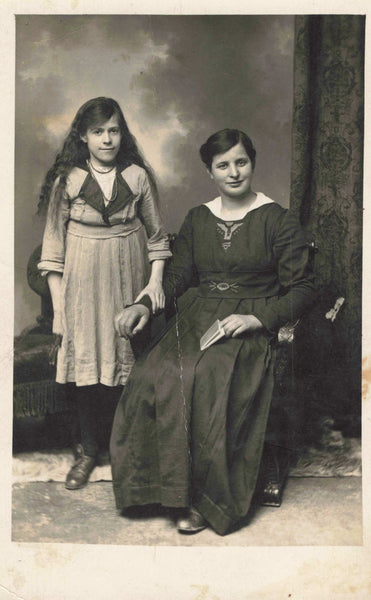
103	232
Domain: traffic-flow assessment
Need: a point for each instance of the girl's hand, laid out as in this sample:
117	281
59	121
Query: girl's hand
57	338
53	352
57	323
131	320
234	325
155	291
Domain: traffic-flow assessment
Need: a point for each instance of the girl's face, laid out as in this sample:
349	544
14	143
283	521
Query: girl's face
232	172
103	141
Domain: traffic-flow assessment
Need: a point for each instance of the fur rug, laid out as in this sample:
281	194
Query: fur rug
53	465
339	457
343	460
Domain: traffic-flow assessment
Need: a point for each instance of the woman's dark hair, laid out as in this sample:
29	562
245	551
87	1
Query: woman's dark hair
75	152
224	140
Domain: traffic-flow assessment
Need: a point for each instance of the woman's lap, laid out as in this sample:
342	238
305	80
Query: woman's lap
227	391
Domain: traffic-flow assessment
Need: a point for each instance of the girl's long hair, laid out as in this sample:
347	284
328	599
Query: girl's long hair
75	152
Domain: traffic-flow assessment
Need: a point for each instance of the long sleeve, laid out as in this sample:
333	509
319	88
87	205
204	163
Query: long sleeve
295	275
158	243
179	271
53	247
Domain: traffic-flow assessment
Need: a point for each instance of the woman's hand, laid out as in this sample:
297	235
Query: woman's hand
131	320
234	325
155	291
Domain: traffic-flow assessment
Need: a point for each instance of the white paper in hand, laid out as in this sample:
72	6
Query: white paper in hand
212	335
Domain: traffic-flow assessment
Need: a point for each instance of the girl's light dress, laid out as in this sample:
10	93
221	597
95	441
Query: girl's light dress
104	253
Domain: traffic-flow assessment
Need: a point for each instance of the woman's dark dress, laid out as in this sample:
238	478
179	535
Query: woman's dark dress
190	425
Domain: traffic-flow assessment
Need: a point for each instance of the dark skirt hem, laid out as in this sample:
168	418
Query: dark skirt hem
219	520
151	494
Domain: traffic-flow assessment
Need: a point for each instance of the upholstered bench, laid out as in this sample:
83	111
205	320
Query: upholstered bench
43	411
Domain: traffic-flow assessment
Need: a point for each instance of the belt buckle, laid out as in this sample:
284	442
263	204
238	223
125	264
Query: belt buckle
223	286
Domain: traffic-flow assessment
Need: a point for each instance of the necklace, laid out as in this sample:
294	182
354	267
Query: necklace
106	200
90	164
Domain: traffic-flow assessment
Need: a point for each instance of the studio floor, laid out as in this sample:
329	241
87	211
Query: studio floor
316	511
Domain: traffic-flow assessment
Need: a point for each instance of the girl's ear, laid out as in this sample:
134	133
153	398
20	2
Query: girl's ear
83	138
210	173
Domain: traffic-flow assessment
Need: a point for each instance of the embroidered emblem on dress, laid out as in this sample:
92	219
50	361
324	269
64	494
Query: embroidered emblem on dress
223	286
227	230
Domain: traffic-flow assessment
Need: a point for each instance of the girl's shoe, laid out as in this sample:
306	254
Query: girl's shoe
78	476
193	522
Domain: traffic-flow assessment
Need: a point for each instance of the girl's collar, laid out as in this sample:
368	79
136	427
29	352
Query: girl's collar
91	192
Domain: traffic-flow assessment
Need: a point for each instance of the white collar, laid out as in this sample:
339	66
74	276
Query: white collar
216	205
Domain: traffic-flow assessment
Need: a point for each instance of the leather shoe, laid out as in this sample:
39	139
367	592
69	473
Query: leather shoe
78	476
276	466
193	522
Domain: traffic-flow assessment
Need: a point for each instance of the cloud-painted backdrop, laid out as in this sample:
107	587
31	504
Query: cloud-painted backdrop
177	78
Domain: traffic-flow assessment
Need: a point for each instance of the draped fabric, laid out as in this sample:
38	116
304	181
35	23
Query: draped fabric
326	194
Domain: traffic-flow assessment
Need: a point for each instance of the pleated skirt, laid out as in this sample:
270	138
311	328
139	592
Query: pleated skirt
190	425
100	277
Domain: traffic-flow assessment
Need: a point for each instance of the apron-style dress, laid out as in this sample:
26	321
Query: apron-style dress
104	254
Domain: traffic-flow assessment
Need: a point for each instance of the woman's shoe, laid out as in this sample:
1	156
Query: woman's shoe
275	470
193	522
78	476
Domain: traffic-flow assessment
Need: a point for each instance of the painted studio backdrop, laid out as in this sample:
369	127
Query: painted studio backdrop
294	84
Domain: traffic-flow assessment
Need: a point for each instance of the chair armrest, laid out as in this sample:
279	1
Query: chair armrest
286	333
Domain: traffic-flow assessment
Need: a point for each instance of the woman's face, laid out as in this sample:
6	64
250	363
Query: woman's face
232	172
104	141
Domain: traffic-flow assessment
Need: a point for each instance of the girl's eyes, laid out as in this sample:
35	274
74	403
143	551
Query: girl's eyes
100	131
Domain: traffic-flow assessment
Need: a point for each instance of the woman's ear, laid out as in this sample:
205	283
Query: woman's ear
210	173
83	138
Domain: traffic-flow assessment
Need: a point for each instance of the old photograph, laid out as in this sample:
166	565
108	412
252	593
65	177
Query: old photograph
188	245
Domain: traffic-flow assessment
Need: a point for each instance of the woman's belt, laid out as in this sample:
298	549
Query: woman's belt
101	231
220	288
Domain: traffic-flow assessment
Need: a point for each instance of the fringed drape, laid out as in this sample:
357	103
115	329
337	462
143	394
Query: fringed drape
40	398
326	193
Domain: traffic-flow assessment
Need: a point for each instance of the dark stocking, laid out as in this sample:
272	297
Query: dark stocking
96	406
109	397
87	399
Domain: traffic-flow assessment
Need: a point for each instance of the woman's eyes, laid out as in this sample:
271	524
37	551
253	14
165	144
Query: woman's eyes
240	163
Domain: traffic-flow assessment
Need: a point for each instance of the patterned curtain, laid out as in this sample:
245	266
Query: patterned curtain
327	195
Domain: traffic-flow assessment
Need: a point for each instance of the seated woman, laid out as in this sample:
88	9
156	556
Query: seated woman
190	425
